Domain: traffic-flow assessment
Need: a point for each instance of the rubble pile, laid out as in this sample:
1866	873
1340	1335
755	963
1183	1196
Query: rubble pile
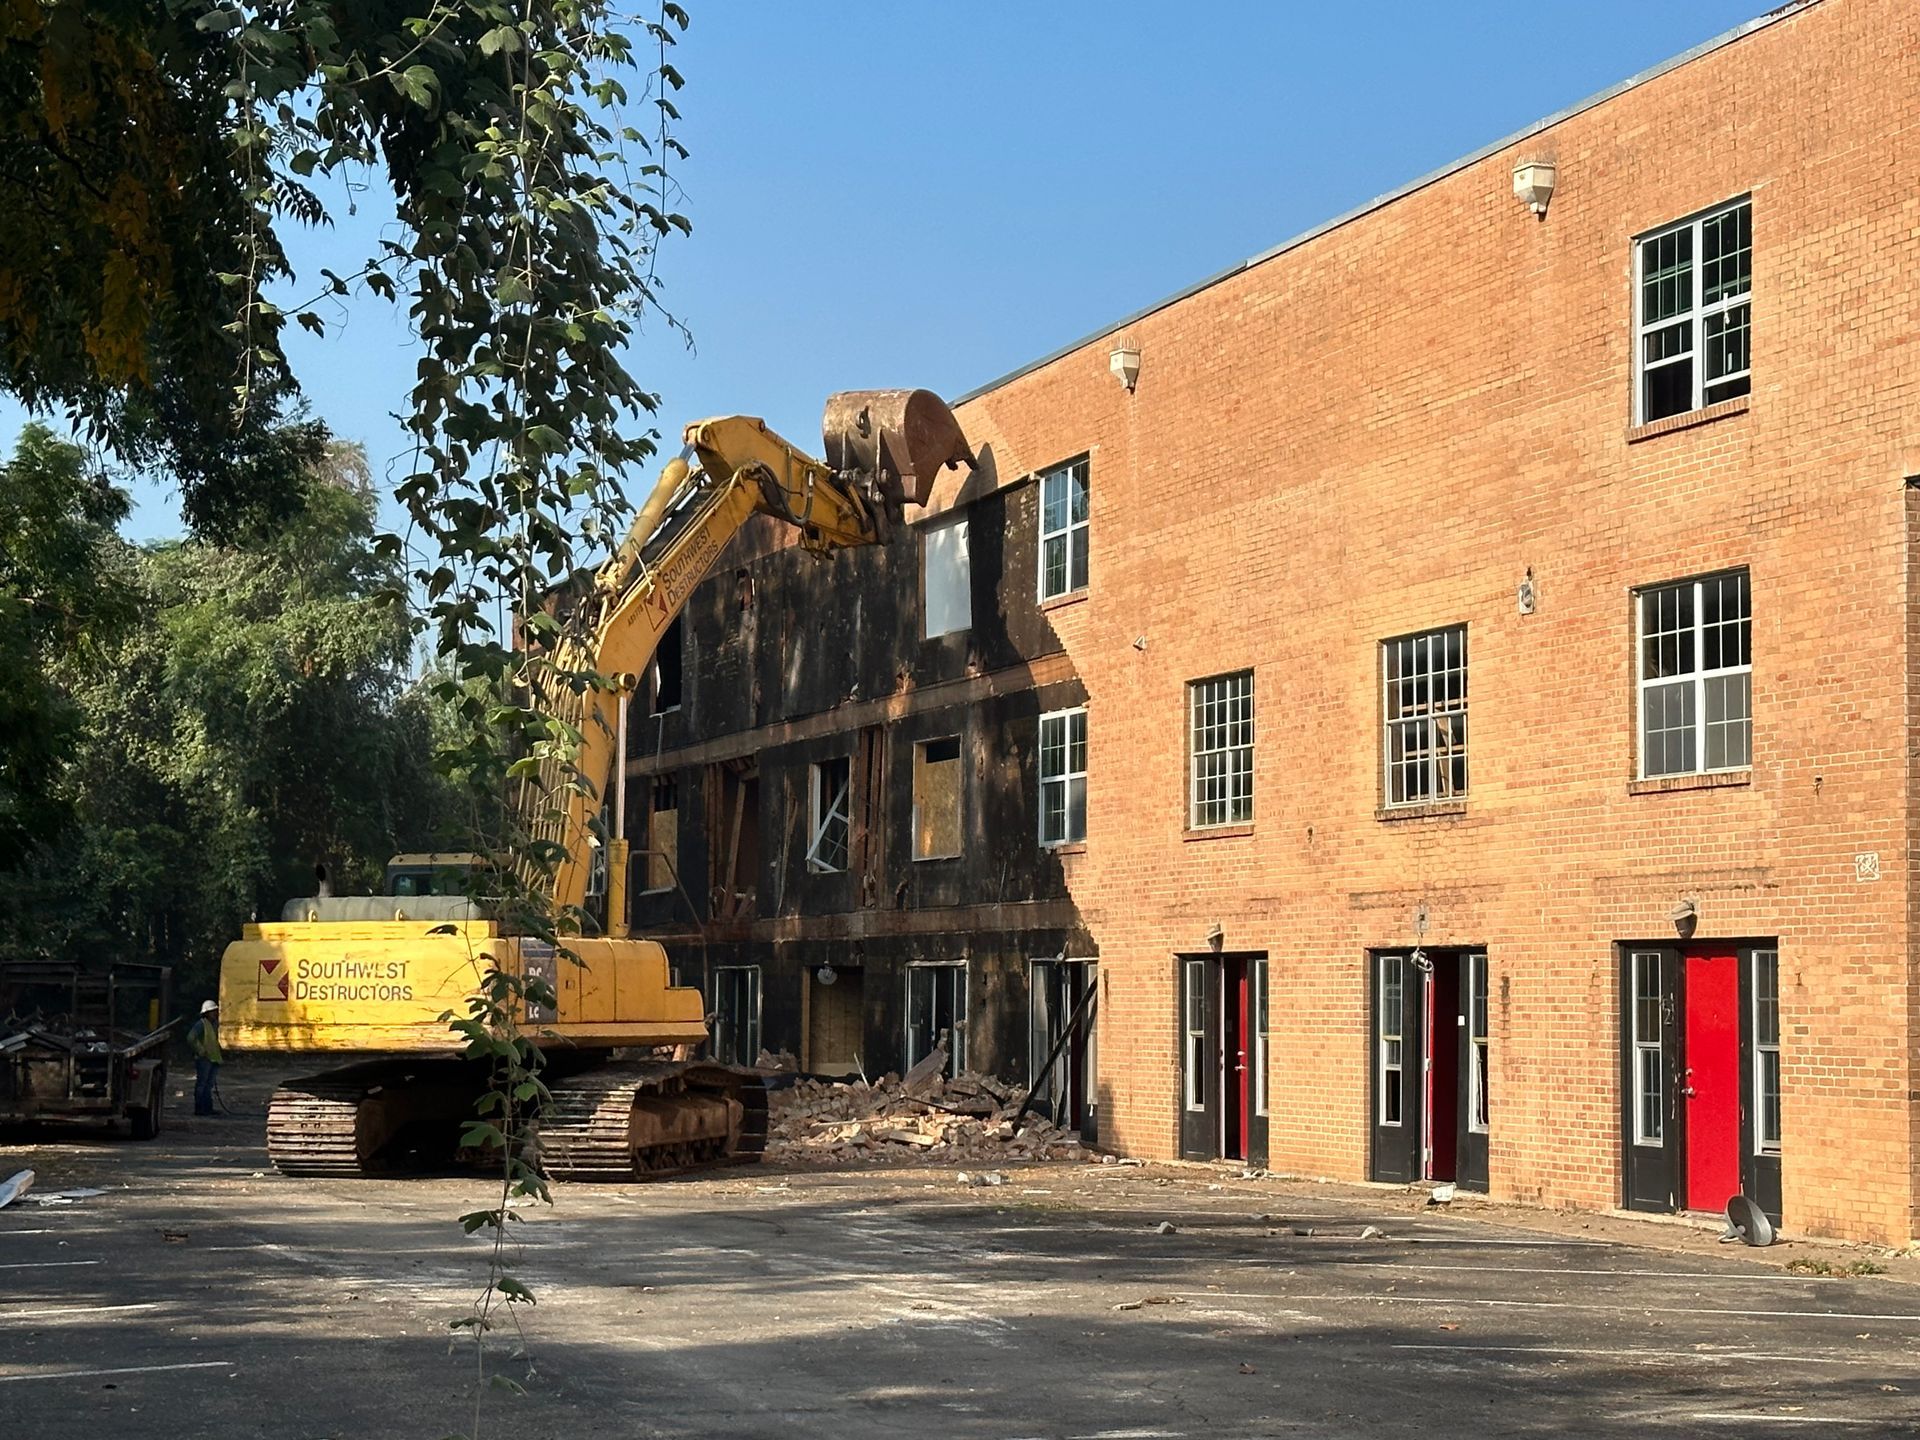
926	1117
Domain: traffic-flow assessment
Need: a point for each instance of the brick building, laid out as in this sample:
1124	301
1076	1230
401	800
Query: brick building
1495	639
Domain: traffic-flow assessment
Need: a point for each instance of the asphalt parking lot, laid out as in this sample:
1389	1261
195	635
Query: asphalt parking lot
202	1295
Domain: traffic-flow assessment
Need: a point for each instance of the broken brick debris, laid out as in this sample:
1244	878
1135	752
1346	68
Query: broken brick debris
968	1118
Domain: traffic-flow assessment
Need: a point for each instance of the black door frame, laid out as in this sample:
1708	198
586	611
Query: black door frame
1399	1153
1654	1184
1201	1131
1396	1149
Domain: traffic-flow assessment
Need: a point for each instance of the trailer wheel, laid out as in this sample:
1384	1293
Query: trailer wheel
145	1119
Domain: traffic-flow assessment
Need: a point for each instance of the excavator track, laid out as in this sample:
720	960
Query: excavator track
313	1128
637	1120
373	1119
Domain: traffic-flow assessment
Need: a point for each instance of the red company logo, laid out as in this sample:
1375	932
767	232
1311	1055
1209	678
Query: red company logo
271	983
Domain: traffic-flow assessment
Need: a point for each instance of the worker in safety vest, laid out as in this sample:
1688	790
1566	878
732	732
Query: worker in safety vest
204	1041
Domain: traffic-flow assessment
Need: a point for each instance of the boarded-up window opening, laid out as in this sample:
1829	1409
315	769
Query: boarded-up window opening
829	815
946	577
663	833
936	799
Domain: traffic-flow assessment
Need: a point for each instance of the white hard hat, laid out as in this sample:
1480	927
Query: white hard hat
207	1007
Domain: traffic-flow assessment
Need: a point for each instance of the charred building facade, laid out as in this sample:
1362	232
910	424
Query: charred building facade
856	791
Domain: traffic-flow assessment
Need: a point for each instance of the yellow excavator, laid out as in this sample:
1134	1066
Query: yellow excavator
366	979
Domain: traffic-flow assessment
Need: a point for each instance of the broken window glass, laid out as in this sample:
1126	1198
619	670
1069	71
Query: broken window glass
830	815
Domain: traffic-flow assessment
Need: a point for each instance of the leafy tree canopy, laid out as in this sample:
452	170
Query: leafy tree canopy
256	720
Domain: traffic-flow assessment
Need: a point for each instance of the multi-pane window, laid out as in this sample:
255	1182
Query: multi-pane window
1426	716
1694	337
1649	1050
1696	676
936	1012
1195	1009
1063	530
1390	1049
1257	978
1221	788
1063	777
828	815
1766	1052
1477	1076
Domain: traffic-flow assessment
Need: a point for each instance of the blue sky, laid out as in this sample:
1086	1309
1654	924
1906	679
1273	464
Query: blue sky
889	194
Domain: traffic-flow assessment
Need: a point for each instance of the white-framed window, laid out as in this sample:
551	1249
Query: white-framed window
1063	776
1220	712
829	812
1649	1050
1693	331
937	1010
1766	1052
946	576
1425	713
1063	529
1696	675
937	781
1391	1046
736	1014
1257	978
1477	1046
1194	1011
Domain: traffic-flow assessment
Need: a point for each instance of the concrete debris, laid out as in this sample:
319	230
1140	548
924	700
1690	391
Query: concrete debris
1442	1195
1373	1232
923	1114
988	1177
61	1197
1146	1300
12	1189
778	1061
1166	1227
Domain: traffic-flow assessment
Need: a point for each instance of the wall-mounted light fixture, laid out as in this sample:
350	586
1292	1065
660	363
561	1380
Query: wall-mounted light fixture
1533	182
826	975
1685	917
1125	364
1216	938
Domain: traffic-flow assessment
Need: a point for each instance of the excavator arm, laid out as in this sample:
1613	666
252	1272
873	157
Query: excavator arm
883	450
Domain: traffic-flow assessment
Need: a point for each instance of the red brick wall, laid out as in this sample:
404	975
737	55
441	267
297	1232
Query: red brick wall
1380	431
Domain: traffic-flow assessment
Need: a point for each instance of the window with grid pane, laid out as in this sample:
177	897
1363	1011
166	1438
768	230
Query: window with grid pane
1063	777
1693	336
1426	716
1766	1052
1696	675
1649	1051
1063	530
1221	790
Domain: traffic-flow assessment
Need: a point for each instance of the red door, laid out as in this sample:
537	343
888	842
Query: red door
1238	1062
1709	1086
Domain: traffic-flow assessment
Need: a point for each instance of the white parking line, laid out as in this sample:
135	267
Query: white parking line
45	1264
1620	1353
1625	1306
76	1310
1733	1417
1556	1270
124	1370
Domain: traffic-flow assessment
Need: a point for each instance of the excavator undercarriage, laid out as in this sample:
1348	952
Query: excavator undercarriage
602	1120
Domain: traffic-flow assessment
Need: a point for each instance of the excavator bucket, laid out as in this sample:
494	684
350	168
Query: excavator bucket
899	437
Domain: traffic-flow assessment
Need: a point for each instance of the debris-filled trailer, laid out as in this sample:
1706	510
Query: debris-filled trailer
78	1043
